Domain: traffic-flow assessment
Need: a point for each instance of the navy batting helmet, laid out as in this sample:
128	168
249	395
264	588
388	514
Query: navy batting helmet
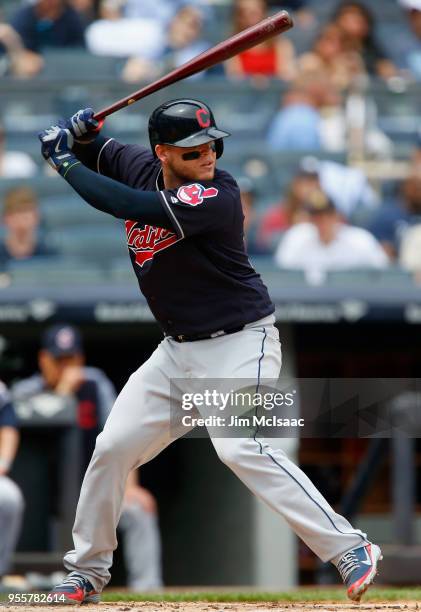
184	123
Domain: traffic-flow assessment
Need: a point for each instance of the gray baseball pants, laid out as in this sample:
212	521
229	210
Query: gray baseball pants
142	548
138	428
11	511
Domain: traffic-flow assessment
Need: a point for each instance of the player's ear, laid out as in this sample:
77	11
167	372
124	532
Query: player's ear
161	152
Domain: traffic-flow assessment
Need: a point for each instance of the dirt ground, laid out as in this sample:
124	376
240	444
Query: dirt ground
406	606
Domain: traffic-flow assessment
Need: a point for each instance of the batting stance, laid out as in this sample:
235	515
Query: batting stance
184	226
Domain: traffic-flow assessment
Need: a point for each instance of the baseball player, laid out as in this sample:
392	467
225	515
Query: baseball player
184	226
64	379
11	499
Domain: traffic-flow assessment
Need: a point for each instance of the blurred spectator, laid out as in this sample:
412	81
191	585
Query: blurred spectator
311	117
289	211
14	164
326	243
184	41
357	23
332	55
304	17
117	36
347	187
410	250
248	201
48	23
87	9
21	221
64	376
396	216
185	37
163	11
11	500
273	58
290	5
406	49
15	60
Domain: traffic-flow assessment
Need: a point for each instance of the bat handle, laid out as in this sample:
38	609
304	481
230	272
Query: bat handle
99	126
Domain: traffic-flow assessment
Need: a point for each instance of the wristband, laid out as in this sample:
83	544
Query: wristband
68	165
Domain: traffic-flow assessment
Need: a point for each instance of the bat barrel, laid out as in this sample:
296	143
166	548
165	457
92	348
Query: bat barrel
269	27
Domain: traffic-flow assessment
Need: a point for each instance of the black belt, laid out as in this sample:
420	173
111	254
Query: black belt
222	332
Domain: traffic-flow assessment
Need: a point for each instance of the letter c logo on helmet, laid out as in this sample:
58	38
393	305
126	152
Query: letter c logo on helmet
203	117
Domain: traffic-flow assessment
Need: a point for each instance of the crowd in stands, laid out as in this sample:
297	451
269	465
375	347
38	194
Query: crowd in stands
162	32
328	206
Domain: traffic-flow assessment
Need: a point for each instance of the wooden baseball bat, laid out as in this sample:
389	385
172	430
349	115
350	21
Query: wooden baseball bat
281	22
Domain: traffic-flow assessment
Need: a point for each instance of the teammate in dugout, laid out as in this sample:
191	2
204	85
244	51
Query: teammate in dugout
11	499
184	226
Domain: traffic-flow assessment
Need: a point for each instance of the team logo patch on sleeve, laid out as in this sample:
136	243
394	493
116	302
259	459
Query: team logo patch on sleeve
195	194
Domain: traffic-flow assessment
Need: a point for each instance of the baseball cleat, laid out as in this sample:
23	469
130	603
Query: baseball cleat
75	589
358	569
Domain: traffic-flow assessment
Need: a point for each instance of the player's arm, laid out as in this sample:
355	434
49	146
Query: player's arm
9	442
101	192
9	437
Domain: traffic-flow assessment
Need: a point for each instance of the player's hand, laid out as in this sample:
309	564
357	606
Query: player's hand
70	381
56	146
82	125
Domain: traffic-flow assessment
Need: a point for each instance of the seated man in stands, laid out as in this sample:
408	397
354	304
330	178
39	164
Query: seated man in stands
43	24
11	500
399	213
310	118
114	35
21	220
15	60
87	9
89	391
182	41
289	211
406	48
327	243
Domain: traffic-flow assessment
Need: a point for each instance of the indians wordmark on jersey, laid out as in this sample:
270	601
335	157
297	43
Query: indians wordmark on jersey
145	240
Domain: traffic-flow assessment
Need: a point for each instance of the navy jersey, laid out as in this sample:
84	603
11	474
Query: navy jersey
7	413
94	400
197	279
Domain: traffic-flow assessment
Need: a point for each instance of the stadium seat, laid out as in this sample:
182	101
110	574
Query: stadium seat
277	277
54	271
61	63
393	277
121	270
42	185
65	210
95	244
382	11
